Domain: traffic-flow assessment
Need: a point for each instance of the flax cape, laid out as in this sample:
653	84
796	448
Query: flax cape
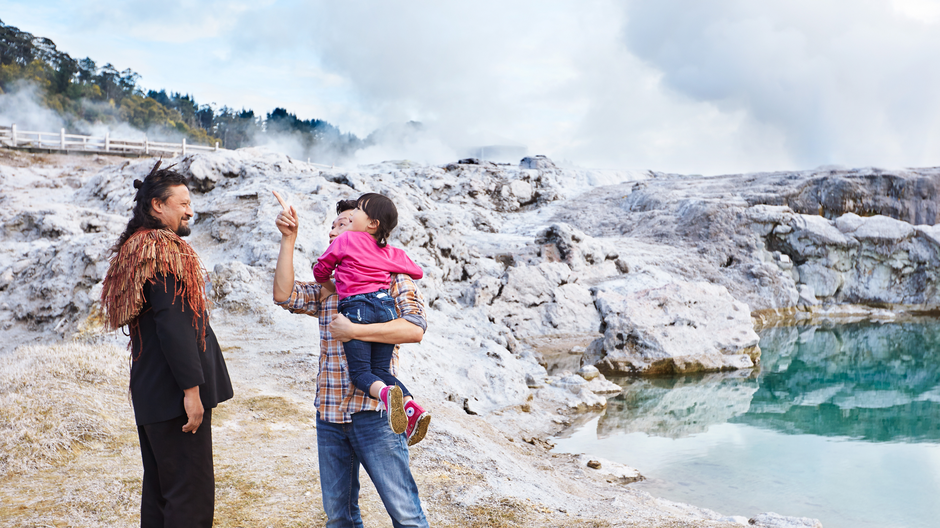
145	255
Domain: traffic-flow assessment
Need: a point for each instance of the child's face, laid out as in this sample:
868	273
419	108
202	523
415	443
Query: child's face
362	222
342	224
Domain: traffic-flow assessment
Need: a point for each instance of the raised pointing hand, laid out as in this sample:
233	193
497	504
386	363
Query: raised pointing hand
287	221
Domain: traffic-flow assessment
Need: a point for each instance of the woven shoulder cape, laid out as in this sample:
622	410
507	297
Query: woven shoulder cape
146	254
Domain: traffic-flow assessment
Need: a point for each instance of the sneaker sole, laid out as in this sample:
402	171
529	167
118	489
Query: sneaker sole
421	429
396	412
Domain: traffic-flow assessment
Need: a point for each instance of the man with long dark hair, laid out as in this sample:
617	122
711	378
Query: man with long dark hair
155	286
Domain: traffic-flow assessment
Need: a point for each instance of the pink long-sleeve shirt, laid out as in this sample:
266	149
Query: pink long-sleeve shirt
361	265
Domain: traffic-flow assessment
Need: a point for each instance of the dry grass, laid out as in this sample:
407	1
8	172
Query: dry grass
55	401
68	445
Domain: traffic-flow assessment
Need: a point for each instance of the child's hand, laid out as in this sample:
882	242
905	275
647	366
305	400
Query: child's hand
287	221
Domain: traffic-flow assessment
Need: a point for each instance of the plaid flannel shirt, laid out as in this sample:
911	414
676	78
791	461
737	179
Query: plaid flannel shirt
337	398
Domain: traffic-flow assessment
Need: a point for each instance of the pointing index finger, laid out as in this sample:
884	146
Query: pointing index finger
281	201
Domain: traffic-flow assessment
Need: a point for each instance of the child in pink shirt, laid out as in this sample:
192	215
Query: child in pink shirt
363	263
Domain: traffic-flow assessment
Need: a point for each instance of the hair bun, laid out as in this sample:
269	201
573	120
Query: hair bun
138	184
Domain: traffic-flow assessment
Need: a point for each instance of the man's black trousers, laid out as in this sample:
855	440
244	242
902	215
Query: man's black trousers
179	483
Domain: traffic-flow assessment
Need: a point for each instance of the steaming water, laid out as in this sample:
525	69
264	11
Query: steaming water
842	424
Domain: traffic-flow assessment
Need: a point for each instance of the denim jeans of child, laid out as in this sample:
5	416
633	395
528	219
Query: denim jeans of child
370	362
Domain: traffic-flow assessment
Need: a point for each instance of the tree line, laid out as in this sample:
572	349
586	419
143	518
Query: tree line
82	93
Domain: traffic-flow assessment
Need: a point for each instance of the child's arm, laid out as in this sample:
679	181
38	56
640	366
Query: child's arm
328	261
402	263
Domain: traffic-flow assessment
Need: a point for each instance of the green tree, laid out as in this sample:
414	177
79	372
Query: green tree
144	113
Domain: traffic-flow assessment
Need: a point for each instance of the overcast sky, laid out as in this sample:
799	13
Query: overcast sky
688	86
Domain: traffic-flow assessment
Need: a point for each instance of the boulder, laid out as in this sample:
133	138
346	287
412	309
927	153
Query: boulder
875	228
613	471
588	372
824	281
676	327
907	195
538	162
477	161
808	296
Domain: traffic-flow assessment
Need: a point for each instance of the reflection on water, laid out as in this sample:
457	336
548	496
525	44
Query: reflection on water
841	424
872	382
677	407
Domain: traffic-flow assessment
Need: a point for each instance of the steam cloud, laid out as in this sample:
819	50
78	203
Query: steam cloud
22	106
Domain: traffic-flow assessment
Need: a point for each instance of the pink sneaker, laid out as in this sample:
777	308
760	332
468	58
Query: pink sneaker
418	421
391	398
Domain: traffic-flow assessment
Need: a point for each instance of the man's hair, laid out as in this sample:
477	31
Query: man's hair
379	207
345	205
157	185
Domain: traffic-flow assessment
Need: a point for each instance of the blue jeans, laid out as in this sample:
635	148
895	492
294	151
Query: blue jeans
370	362
342	447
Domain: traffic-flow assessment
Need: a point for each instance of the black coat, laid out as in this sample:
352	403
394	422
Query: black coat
167	359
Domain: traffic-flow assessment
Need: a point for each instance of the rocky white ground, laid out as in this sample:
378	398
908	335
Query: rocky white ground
635	272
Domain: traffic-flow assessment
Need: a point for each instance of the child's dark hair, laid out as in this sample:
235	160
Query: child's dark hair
158	184
379	207
345	205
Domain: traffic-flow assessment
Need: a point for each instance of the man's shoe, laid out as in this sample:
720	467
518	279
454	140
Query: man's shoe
418	421
392	398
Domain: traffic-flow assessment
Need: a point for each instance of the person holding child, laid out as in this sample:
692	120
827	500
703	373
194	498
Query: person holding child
363	263
351	429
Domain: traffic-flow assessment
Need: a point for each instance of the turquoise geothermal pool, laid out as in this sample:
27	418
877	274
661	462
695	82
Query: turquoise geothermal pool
841	424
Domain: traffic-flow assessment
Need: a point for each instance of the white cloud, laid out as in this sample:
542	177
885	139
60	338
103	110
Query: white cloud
927	11
679	85
845	82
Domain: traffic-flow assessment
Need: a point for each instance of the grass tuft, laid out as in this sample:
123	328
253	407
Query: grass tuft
56	400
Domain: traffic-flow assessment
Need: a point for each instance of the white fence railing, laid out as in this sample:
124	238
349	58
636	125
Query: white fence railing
11	137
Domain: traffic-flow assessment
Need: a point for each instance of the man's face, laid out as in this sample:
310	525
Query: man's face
342	224
176	211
